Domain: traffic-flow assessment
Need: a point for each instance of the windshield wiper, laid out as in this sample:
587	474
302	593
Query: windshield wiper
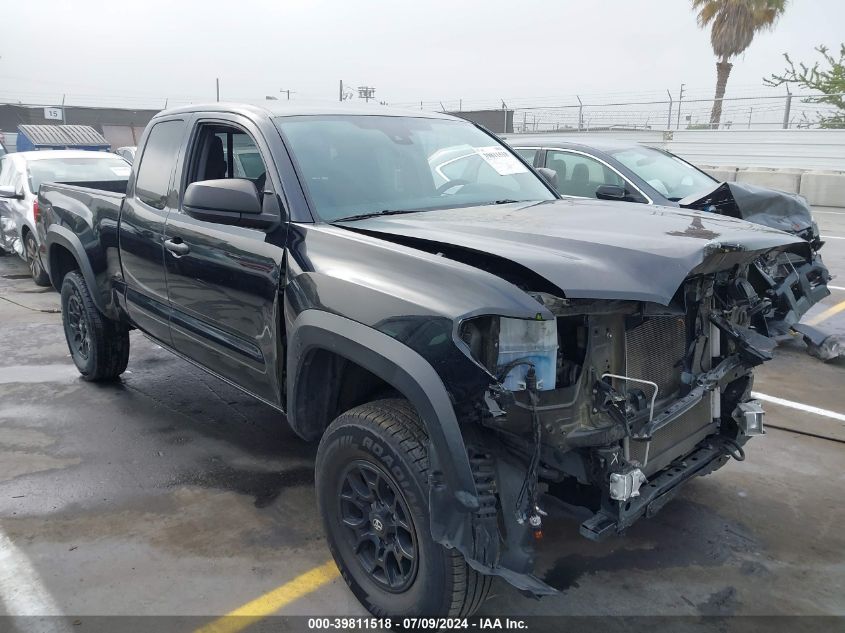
375	214
503	201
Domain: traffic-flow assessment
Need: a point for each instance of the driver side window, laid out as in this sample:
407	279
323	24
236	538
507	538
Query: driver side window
580	175
225	151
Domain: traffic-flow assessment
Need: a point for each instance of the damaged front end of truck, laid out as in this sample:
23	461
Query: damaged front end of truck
606	404
610	367
792	283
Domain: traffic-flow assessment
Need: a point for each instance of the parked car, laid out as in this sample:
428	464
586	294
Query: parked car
126	153
3	151
626	171
21	174
461	348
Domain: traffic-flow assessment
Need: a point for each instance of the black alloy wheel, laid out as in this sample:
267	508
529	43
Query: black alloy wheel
379	526
77	328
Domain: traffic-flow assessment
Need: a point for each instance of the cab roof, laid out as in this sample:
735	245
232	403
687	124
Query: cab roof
275	109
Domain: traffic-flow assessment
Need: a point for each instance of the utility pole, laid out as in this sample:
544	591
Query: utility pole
580	113
505	112
218	88
64	118
787	109
750	111
286	91
669	121
680	98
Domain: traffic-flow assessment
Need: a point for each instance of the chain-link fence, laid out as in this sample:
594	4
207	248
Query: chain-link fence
787	111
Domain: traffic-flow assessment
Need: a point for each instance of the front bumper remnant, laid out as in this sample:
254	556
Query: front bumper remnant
662	488
626	485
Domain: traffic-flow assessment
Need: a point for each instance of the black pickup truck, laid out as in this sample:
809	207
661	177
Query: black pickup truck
469	349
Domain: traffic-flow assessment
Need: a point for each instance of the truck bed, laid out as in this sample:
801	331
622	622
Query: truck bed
90	211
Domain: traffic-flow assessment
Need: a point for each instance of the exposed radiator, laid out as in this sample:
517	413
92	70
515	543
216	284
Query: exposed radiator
654	350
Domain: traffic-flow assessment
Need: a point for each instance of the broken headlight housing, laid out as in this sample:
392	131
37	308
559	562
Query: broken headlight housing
508	347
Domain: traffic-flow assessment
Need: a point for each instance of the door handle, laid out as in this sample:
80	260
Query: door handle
177	246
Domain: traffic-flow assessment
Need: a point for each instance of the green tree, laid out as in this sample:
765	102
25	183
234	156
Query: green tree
830	81
733	24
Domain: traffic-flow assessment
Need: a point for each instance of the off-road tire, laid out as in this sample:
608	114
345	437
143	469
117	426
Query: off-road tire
33	260
389	435
107	351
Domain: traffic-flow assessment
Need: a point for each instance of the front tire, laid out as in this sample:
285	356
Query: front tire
33	260
99	347
372	490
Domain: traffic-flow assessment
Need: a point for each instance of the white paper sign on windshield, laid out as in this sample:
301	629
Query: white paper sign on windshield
501	160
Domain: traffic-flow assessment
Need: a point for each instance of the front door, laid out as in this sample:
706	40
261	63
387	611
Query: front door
223	281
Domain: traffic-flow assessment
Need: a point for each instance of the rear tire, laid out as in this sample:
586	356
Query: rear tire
99	346
372	490
33	260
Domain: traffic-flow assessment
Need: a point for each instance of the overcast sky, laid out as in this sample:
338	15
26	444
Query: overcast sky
136	52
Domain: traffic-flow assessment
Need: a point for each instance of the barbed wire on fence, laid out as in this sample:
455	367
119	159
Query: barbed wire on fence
747	107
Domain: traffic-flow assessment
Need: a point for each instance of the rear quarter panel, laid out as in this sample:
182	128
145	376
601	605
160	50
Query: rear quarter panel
84	221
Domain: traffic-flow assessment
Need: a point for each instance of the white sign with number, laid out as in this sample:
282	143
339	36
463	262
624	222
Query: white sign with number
53	113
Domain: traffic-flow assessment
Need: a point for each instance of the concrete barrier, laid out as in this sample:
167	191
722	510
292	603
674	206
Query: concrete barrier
824	188
722	174
820	188
780	179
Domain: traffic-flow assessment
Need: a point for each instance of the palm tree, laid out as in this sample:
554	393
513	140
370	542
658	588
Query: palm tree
733	24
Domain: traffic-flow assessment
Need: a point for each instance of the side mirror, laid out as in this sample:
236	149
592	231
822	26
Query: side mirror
549	175
8	191
611	192
230	195
228	201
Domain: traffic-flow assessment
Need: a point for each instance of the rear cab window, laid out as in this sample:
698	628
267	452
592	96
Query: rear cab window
152	184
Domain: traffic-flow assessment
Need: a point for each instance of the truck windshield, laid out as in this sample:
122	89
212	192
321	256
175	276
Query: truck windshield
103	168
357	165
668	174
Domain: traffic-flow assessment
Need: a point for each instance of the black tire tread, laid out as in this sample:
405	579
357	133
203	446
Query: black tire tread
110	338
397	420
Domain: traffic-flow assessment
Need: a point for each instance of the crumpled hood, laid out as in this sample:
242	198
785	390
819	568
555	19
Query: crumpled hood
776	209
589	249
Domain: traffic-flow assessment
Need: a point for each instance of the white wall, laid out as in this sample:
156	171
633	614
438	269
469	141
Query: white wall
791	149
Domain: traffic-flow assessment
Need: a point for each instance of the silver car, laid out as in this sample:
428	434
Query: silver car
22	173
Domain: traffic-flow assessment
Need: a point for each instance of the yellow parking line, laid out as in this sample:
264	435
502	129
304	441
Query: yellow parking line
824	316
272	601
